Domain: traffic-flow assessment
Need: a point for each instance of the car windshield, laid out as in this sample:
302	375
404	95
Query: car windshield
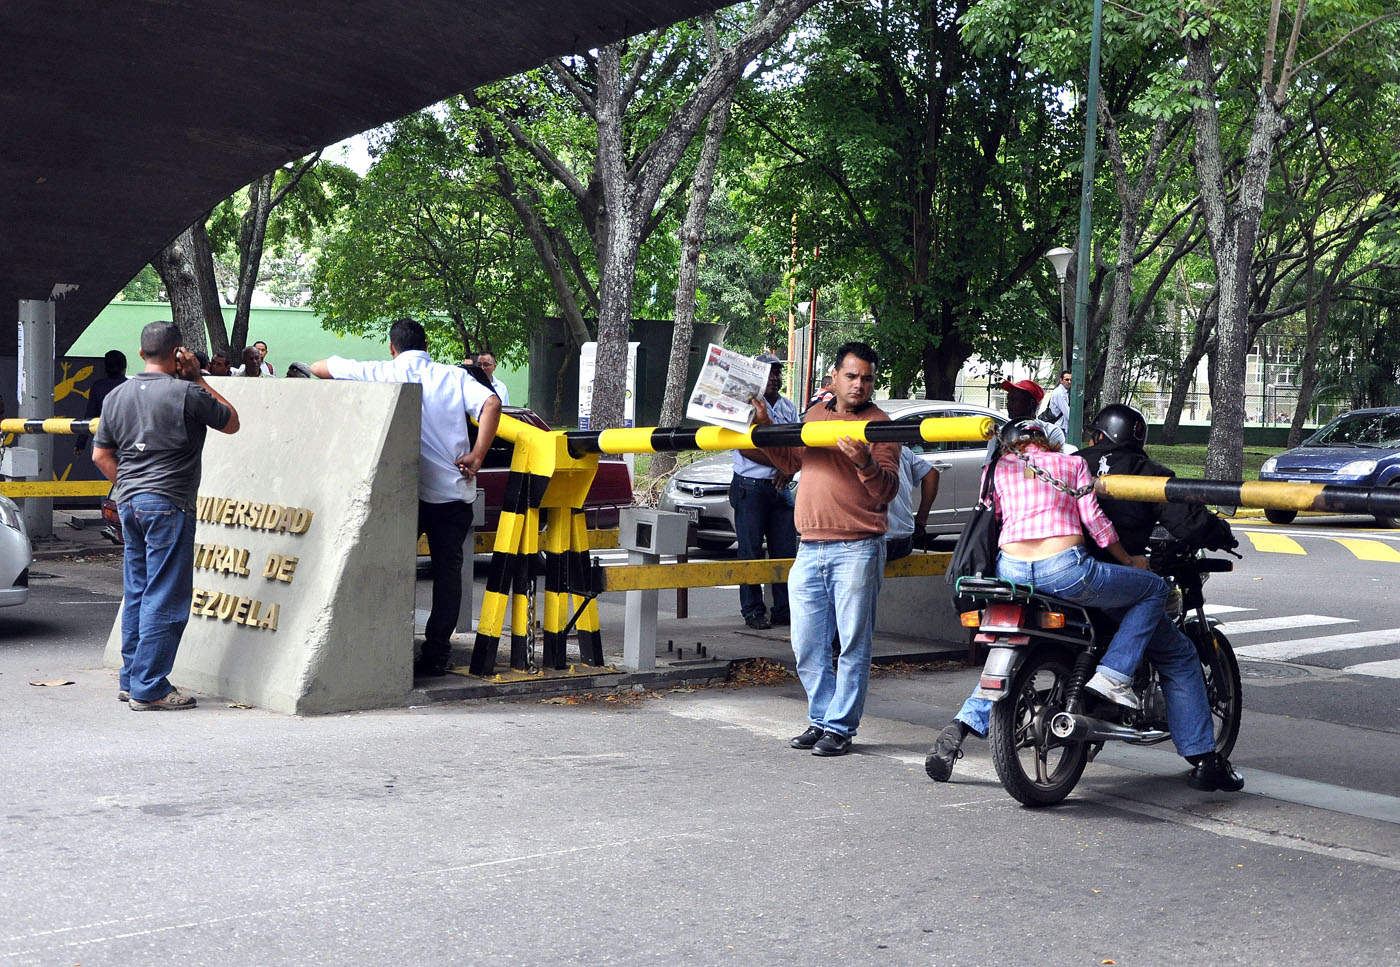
1362	430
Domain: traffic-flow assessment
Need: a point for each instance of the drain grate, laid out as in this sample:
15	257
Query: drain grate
1272	670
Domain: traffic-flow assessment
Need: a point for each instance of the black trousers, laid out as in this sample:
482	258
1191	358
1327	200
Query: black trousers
446	527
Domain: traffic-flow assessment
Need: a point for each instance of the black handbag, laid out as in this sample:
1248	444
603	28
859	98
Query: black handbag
977	548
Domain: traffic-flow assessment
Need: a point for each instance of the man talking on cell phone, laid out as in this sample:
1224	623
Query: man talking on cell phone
149	444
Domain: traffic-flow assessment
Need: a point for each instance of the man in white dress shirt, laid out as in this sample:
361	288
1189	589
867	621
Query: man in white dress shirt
447	466
487	362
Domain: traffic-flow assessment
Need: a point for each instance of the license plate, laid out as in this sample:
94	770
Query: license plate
692	512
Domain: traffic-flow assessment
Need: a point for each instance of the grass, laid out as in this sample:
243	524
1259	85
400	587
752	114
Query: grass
1190	460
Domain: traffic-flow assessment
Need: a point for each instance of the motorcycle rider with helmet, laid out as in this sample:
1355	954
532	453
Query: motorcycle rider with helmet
1119	433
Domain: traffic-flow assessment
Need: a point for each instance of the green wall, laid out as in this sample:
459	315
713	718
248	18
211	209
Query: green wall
291	334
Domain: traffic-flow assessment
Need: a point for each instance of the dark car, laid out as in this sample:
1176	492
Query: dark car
1357	449
610	492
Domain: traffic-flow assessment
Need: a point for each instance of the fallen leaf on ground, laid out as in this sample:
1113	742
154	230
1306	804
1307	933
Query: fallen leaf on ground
238	705
55	682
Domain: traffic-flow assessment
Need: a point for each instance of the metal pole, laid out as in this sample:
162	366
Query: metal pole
1086	205
36	326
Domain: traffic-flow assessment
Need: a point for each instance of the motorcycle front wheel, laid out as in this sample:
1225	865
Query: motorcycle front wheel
1222	674
1036	768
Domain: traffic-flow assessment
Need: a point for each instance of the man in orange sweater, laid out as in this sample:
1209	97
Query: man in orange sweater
840	515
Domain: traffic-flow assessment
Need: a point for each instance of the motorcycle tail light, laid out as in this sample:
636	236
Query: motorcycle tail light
1052	619
1003	616
992	683
970	619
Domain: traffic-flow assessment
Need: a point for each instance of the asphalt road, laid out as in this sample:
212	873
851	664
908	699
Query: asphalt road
678	828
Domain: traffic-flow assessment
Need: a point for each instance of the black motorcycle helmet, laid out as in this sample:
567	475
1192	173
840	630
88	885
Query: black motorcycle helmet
1122	424
1018	432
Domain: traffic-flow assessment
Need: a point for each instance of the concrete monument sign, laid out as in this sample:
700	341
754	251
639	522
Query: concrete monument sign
304	549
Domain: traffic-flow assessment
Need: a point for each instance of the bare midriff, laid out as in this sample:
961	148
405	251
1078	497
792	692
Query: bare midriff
1041	548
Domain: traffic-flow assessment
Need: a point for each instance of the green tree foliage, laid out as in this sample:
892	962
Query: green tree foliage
429	236
928	177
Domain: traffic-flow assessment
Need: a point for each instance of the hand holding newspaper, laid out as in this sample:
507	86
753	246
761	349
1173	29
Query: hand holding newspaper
725	390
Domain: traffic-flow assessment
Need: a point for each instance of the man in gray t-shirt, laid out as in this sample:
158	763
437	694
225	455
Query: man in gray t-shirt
149	443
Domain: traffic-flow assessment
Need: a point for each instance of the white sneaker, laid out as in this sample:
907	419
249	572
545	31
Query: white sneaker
1106	687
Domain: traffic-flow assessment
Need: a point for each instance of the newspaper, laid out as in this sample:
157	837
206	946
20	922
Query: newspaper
726	388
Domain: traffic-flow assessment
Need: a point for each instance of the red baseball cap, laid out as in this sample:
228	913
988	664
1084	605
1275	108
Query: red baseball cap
1029	385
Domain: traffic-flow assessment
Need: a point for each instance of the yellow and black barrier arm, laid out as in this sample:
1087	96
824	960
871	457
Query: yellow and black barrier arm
54	424
653	439
1267	494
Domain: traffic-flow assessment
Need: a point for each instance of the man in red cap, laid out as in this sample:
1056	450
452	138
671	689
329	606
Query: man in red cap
1022	400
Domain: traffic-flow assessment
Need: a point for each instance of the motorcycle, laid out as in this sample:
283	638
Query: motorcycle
1044	727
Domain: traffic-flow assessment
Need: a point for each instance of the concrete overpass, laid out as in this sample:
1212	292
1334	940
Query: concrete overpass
122	121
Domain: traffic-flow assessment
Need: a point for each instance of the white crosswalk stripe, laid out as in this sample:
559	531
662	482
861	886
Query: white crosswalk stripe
1256	625
1376	669
1285	650
1215	609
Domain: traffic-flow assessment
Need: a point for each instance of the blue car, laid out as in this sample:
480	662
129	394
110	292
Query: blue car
1357	449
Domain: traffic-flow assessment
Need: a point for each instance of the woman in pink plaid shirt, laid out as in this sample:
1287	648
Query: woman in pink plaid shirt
1042	544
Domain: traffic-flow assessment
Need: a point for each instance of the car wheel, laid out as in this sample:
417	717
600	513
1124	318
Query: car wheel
1387	520
1283	516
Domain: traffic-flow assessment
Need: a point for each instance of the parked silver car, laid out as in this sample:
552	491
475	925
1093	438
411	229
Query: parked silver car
15	555
701	489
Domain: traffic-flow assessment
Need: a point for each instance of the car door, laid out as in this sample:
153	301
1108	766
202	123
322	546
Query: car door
943	515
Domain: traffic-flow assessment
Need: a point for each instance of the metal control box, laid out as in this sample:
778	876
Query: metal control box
652	531
20	462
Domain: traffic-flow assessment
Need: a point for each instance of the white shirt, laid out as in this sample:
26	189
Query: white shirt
449	394
782	411
501	391
912	471
1058	405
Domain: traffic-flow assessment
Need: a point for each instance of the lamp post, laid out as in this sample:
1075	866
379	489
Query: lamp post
1059	261
1086	204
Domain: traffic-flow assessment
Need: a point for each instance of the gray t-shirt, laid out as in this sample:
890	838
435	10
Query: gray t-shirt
157	424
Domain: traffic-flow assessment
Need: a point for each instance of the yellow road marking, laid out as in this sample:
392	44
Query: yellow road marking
1274	543
1369	550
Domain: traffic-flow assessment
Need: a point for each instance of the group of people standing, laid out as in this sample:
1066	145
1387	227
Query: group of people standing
149	444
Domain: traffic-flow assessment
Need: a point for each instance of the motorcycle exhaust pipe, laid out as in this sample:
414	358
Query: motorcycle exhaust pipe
1065	726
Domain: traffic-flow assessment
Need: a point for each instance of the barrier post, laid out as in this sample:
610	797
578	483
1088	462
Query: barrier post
647	535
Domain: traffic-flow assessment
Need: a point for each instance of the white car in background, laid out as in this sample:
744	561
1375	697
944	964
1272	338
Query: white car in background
701	489
15	555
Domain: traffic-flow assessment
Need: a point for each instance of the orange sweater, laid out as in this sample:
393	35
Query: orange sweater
836	502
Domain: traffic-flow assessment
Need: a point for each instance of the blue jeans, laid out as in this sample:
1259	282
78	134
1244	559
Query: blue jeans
833	586
158	577
1137	599
762	511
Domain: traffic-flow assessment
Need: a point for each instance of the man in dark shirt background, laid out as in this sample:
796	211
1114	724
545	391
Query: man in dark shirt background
149	443
114	367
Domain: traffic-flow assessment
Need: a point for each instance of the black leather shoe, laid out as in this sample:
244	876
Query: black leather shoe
947	749
832	743
807	739
758	623
1215	774
429	669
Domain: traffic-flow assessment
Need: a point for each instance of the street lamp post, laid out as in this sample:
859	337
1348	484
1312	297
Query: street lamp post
1059	260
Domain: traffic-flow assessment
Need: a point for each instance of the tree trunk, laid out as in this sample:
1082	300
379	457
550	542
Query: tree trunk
252	234
1185	374
1233	229
688	277
186	268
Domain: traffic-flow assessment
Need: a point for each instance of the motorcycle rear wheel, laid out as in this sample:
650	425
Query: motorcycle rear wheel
1036	768
1222	674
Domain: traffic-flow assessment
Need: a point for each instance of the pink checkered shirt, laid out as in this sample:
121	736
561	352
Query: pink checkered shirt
1031	509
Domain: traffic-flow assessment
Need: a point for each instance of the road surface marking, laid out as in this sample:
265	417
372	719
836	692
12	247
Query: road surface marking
1214	609
1274	543
1284	650
1368	550
1289	621
1376	669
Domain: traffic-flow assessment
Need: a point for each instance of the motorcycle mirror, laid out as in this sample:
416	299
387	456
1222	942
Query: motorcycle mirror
1225	510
